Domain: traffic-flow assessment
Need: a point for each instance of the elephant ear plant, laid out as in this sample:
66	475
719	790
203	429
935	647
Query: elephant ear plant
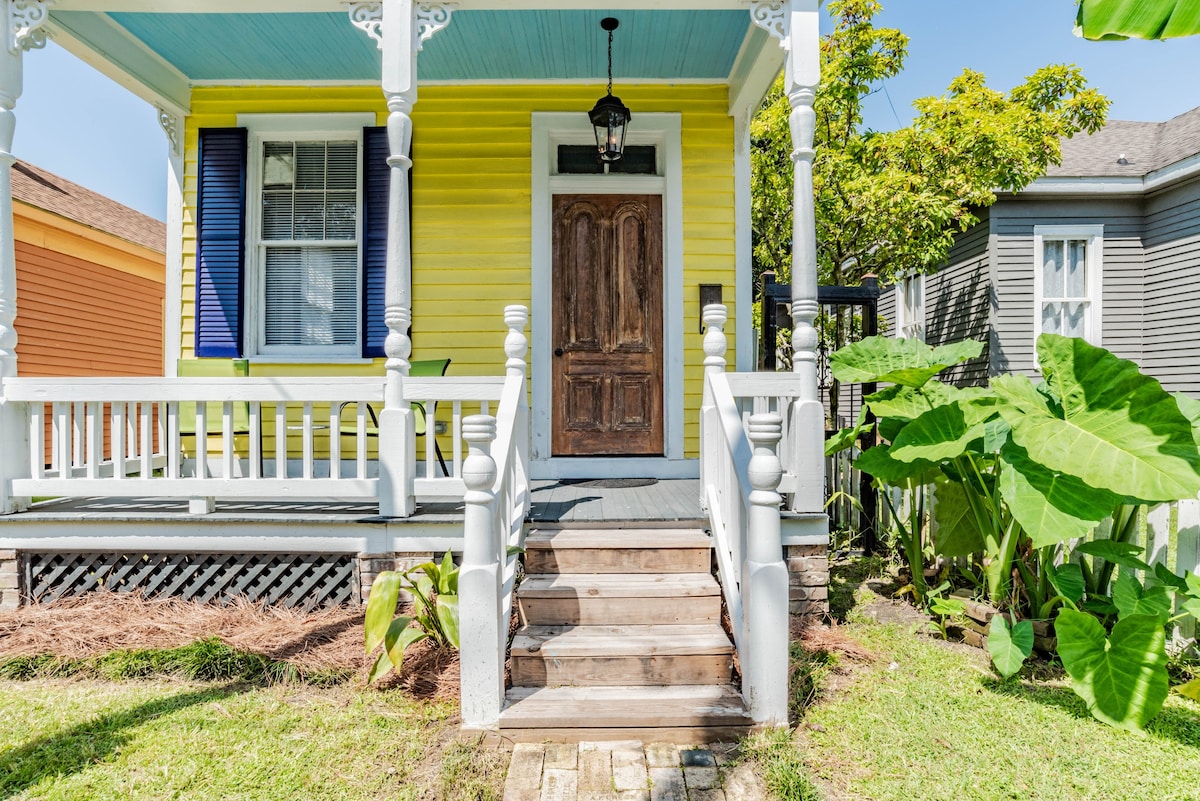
1041	485
434	589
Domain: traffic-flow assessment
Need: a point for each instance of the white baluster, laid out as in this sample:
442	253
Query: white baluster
307	435
281	441
714	316
482	633
765	581
117	428
256	454
335	441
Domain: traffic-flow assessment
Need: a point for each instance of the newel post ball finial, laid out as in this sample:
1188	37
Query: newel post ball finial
765	469
715	344
515	343
479	468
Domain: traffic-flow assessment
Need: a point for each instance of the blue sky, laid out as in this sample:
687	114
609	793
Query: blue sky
75	122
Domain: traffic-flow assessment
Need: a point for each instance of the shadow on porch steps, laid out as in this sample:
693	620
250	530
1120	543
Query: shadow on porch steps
621	639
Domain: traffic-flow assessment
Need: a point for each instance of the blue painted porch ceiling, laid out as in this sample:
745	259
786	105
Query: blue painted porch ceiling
478	45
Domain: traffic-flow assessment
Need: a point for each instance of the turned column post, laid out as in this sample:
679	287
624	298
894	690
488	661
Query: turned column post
714	317
24	20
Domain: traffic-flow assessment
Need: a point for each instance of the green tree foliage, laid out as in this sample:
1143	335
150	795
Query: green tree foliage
890	203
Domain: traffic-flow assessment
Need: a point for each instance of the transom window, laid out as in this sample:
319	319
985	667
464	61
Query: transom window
1067	281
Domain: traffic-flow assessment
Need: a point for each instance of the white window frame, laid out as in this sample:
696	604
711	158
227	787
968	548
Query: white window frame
1093	235
910	318
295	128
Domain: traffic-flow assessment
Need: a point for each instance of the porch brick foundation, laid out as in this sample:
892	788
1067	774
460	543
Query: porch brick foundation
370	565
808	580
12	577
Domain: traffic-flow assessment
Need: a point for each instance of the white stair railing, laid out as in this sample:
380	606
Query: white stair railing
496	502
740	478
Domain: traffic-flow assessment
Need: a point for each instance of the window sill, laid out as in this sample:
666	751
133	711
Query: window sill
311	360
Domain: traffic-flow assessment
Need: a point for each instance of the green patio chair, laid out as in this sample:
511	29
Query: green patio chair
418	368
214	368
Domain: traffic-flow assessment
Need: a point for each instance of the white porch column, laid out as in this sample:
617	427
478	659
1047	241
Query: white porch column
23	23
171	121
795	23
399	27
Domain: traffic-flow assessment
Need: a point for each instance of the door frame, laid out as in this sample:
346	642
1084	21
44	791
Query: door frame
664	131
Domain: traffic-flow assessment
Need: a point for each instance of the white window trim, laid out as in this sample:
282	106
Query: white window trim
1094	234
903	322
294	127
664	130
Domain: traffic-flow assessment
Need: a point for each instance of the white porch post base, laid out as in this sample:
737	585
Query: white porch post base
481	651
397	462
202	506
765	582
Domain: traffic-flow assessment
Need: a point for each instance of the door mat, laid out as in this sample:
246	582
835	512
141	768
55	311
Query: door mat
609	483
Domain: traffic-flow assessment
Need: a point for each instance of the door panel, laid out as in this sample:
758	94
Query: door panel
607	374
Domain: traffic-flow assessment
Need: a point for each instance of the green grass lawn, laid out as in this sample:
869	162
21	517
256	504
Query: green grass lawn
88	739
926	720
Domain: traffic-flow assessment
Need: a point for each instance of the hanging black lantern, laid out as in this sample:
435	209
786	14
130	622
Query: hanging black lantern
610	116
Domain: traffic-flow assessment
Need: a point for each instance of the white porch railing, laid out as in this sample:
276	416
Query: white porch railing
740	479
276	437
497	500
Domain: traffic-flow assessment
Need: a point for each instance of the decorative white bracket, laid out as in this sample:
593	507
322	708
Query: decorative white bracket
172	125
25	21
772	17
431	18
368	18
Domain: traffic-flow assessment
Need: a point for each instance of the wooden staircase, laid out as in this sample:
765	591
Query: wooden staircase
621	638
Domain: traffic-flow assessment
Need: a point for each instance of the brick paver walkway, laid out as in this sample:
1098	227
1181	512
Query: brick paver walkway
628	771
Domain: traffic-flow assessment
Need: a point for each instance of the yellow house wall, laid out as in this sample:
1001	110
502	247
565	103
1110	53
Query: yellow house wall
472	240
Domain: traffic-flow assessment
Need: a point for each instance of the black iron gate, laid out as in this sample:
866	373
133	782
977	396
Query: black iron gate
842	403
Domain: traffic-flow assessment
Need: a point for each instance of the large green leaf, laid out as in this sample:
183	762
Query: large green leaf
878	462
1009	647
1131	598
1139	19
400	635
1122	677
940	434
447	612
1124	554
1050	506
1189	407
1068	581
1119	430
381	607
956	530
846	438
908	362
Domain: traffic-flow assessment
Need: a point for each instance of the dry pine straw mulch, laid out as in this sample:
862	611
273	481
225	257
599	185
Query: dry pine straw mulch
323	639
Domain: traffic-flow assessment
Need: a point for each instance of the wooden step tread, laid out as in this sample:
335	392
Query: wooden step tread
624	707
568	642
616	585
618	538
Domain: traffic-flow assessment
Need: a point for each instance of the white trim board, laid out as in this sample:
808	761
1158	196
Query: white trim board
663	130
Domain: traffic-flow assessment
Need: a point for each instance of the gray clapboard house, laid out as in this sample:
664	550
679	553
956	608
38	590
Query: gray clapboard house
1104	246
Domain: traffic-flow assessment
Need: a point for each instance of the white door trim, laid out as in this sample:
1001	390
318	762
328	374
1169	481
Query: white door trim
664	131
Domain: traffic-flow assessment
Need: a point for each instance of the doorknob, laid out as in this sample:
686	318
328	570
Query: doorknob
558	351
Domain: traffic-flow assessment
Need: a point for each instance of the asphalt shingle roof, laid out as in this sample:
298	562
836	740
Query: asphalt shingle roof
49	192
1146	146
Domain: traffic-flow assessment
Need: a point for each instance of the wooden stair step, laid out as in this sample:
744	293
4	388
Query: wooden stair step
685	550
647	713
558	656
611	599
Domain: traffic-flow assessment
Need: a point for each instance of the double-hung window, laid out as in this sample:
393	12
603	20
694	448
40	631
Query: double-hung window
1067	280
305	234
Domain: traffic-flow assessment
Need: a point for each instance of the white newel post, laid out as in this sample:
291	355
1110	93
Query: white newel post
399	27
481	662
714	316
795	23
765	581
516	345
23	20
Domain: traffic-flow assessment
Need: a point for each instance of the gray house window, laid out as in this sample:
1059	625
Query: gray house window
910	307
1067	280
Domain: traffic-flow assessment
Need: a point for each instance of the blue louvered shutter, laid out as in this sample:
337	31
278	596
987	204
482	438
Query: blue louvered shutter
220	242
374	250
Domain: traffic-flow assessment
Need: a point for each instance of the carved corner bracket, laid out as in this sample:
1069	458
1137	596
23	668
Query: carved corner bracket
172	125
772	17
26	19
429	17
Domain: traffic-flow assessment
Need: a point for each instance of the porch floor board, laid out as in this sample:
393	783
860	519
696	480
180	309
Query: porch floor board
553	501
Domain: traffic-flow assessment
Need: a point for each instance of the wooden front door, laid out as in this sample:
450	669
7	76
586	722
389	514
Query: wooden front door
608	326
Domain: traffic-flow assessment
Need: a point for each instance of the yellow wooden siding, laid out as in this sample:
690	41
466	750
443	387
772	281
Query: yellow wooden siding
472	240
